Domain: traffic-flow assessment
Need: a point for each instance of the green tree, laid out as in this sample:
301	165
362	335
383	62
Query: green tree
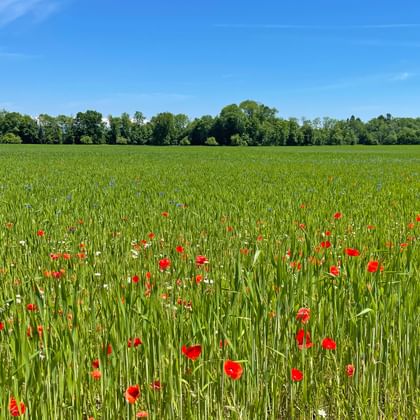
163	129
90	124
66	125
181	123
295	135
10	138
201	129
141	131
49	130
230	121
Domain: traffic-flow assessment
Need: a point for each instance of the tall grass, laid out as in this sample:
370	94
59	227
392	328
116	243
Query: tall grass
259	216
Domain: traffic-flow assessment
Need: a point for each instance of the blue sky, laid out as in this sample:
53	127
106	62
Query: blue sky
305	58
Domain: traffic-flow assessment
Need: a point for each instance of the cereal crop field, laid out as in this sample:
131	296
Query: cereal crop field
209	283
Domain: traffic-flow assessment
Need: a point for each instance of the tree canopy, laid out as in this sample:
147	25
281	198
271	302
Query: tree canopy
248	124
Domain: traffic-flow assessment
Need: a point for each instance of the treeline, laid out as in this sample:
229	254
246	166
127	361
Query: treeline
249	123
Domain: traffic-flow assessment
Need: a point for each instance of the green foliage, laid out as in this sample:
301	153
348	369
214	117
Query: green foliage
249	123
10	138
86	140
200	129
211	141
185	141
121	140
164	132
49	130
238	140
89	124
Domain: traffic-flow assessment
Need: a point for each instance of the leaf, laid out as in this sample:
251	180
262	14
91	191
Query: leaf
365	311
277	352
257	254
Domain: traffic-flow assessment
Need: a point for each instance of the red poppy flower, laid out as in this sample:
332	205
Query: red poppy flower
1	326
192	352
233	369
142	414
151	235
303	314
296	264
179	249
148	275
109	349
16	409
66	256
31	307
418	218
198	278
165	214
304	340
156	385
164	263
296	375
334	270
371	227
132	393
135	278
350	370
201	259
329	344
95	363
96	374
135	342
39	329
40	232
373	266
325	244
338	215
352	252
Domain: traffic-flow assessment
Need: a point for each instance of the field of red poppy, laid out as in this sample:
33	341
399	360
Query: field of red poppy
201	283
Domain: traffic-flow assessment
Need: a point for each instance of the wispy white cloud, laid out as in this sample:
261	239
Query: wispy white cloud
371	79
5	55
387	26
11	10
316	27
386	43
402	76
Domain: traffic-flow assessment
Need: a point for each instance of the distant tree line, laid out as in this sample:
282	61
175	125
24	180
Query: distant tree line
249	123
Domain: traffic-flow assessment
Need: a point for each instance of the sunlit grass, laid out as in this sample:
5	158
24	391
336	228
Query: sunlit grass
259	217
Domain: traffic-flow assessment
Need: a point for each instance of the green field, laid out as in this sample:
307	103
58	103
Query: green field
274	224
